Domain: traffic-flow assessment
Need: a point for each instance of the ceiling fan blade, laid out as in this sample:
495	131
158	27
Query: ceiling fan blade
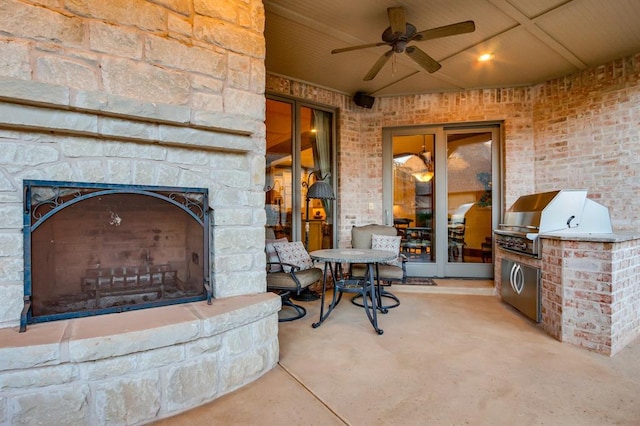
422	59
375	69
361	46
397	20
445	31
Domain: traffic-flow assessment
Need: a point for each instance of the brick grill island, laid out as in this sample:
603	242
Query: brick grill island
156	95
590	295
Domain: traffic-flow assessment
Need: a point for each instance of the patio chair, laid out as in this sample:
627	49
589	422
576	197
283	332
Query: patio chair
290	270
381	237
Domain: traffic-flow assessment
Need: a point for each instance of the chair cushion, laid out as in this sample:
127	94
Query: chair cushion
387	272
293	253
284	281
361	235
272	255
387	243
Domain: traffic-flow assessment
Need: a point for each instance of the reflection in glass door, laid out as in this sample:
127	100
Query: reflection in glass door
413	184
300	151
469	196
439	184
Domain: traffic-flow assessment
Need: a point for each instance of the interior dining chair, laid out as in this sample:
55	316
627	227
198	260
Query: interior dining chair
380	237
290	270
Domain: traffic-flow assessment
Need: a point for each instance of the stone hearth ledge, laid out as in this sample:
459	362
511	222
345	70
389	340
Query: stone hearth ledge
216	348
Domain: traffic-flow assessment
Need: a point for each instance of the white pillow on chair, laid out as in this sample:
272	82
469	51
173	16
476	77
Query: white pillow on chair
293	253
387	243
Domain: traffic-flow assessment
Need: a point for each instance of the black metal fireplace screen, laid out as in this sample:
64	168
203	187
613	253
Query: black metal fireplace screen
93	248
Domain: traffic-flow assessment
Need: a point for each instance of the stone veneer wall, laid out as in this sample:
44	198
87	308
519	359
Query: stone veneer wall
136	366
166	92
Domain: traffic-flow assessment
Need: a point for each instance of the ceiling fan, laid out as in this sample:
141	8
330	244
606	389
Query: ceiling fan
401	33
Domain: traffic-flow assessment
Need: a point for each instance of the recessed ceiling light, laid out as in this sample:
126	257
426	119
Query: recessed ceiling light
485	57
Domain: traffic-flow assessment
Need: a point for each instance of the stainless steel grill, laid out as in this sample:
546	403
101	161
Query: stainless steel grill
562	212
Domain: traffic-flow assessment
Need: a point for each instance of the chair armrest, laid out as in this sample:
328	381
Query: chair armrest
293	267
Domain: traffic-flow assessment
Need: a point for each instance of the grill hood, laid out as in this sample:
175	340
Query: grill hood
558	212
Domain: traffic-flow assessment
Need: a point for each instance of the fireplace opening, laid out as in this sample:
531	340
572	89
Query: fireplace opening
93	248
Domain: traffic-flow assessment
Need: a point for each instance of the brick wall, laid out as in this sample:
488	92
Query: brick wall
579	131
586	132
590	293
360	138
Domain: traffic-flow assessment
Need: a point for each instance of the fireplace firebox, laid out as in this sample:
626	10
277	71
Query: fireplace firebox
94	248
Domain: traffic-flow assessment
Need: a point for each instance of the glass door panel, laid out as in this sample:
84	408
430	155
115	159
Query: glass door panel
439	184
413	190
469	197
278	172
300	151
316	164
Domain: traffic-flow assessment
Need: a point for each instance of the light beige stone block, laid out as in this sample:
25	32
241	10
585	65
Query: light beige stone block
129	400
11	269
138	13
251	364
68	405
245	103
192	383
18	19
127	129
145	82
68	73
27	155
95	348
38	377
239	340
88	171
202	138
14	60
10	217
229	36
11	243
174	54
135	150
58	171
109	368
208	102
207	84
231	122
11	305
207	345
222	9
120	171
76	147
115	40
226	216
154	359
188	156
179	27
180	6
22	116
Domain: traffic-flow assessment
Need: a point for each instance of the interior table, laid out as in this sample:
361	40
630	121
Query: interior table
364	287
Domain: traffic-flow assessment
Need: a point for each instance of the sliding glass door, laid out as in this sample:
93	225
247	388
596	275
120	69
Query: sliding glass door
440	193
300	151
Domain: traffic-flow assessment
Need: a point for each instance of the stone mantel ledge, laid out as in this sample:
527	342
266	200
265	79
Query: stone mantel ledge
615	237
111	335
30	104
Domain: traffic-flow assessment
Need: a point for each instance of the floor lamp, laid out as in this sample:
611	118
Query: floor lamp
319	190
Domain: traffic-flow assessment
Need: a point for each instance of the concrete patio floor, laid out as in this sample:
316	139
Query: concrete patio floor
447	357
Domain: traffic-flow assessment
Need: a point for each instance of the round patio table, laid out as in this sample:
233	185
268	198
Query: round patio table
364	287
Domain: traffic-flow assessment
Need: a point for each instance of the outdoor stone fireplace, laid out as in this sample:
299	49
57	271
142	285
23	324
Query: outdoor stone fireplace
189	188
100	248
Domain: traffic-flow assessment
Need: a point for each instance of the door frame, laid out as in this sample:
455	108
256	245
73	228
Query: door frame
442	267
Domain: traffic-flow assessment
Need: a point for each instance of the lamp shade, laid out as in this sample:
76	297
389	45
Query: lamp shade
321	190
